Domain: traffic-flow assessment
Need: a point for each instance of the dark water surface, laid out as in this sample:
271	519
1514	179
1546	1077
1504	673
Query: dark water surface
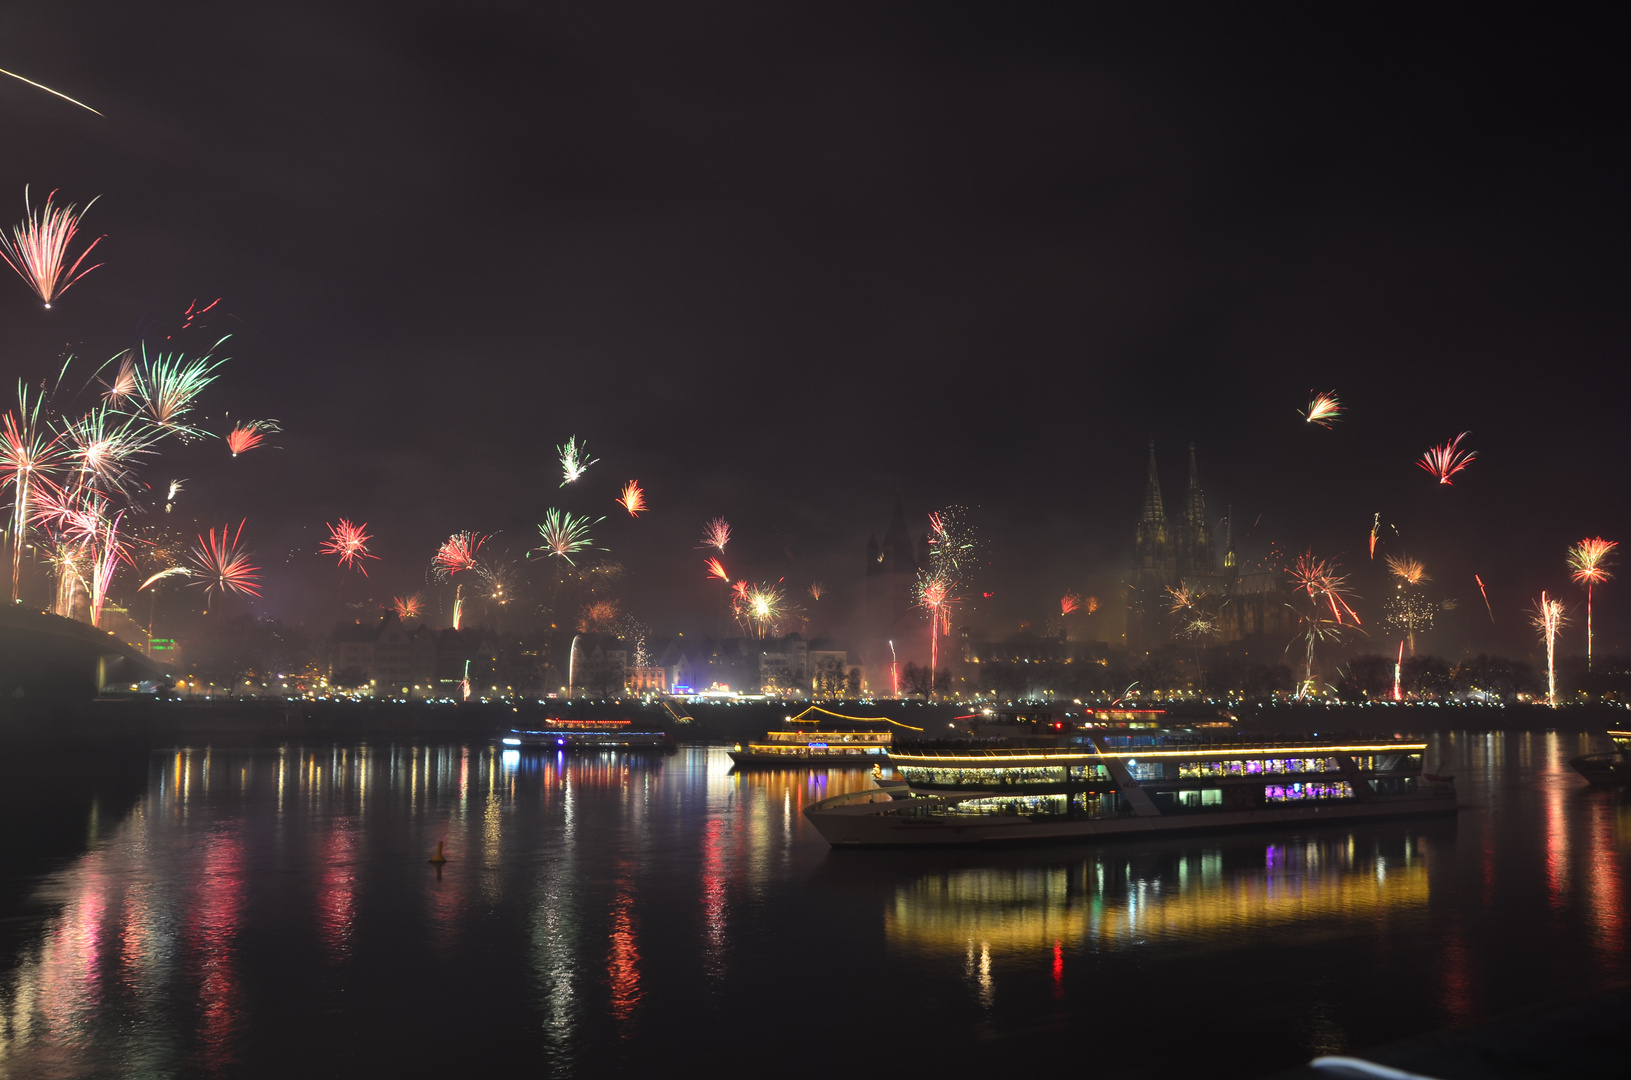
256	912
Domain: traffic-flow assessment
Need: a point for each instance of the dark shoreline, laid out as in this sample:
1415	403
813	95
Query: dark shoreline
139	721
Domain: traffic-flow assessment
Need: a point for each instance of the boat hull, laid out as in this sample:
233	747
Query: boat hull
746	759
1603	770
870	824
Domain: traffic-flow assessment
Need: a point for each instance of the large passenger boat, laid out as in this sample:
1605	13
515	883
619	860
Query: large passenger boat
1108	782
1611	769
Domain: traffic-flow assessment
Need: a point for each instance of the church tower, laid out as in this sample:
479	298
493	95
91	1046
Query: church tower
1195	544
1155	566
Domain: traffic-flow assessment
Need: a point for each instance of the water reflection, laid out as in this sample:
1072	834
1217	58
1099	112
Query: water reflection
598	911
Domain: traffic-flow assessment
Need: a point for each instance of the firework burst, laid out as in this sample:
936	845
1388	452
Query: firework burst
1408	571
1447	460
29	457
716	534
124	381
219	563
1069	603
349	543
248	435
575	459
597	616
1323	409
102	445
816	589
458	552
1588	566
633	498
759	608
38	248
1323	585
716	569
1548	619
408	607
565	535
167	387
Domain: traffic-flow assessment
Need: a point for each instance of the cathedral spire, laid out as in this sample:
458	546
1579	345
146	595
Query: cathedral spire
1195	514
1154	512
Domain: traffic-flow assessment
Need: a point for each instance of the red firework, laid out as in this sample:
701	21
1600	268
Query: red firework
716	569
1323	584
1447	460
408	607
244	437
38	248
221	565
1068	603
458	552
350	543
633	498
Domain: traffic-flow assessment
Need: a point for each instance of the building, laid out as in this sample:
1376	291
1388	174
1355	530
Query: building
1169	556
397	662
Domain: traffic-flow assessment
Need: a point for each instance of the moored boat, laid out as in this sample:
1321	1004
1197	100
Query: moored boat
827	749
1106	783
1611	769
609	734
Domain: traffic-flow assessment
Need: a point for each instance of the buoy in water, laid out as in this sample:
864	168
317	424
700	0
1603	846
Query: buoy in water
438	859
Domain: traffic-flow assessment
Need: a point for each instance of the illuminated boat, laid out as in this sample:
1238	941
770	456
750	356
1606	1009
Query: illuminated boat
823	749
1612	769
563	734
1093	784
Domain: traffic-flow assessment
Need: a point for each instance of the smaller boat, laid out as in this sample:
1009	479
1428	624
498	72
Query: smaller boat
562	734
801	748
1611	769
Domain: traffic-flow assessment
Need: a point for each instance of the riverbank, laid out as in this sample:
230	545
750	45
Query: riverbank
154	723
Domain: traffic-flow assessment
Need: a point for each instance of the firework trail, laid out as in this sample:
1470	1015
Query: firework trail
38	248
574	459
1375	531
1326	589
1323	409
565	535
248	435
1485	595
1588	566
633	498
458	552
408	607
174	571
1409	571
716	534
170	499
29	455
1068	603
1548	619
220	564
1447	460
48	90
894	669
816	589
350	543
935	592
716	569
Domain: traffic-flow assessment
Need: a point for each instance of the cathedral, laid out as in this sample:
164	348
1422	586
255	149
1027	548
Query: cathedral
1182	554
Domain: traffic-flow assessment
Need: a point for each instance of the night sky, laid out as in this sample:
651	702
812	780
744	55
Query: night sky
780	262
